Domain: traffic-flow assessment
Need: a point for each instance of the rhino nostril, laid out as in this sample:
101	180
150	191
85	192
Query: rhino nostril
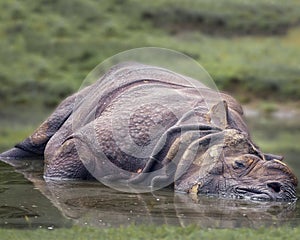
276	186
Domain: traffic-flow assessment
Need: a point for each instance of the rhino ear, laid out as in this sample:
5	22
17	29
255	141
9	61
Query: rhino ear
219	114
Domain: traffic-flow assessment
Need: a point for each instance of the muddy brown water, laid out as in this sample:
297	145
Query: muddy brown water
27	201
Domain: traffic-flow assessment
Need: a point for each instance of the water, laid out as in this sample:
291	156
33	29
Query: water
27	201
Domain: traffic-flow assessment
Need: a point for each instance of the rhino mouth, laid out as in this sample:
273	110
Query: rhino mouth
252	194
273	192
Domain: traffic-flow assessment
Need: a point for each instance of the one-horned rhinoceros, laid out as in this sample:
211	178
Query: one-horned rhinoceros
143	127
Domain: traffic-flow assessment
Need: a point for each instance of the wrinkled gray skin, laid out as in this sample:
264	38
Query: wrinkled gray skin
140	119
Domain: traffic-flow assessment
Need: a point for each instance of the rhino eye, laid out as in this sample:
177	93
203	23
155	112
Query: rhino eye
239	164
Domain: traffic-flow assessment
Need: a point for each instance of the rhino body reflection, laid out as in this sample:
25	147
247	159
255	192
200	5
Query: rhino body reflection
93	204
96	205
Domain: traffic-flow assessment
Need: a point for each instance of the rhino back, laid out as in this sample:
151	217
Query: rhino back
125	114
127	123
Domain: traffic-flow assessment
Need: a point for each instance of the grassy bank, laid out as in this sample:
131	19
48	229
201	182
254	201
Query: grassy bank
48	47
150	232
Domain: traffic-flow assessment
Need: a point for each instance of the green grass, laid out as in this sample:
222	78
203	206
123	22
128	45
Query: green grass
230	17
151	232
10	136
275	135
251	49
17	123
283	141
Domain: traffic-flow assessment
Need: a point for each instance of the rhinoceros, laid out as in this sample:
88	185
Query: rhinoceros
142	127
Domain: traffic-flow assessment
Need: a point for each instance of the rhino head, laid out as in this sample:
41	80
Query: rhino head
228	163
